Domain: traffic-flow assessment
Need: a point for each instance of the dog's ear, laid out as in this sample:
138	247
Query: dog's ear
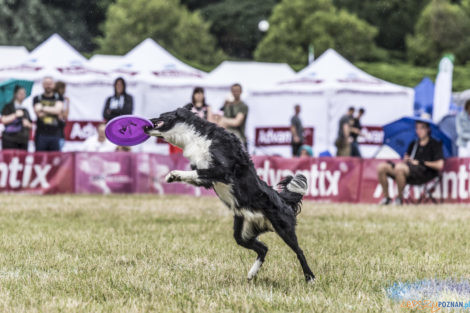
183	112
188	106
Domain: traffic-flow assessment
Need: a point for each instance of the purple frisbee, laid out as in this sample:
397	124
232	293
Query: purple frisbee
127	130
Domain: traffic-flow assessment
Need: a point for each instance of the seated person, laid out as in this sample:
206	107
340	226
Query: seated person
98	142
422	162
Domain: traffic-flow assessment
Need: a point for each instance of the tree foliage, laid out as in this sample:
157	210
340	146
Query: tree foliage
235	24
29	22
394	18
166	21
443	27
295	24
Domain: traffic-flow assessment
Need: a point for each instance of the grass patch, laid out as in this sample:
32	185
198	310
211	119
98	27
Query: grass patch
177	254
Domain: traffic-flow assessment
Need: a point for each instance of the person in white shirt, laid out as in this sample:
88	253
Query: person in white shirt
98	142
463	131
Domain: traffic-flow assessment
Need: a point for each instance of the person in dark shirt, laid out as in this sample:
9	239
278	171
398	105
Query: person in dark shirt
422	162
120	103
48	108
17	122
297	131
342	143
355	132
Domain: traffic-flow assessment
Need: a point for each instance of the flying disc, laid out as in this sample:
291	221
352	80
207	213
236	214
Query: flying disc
127	130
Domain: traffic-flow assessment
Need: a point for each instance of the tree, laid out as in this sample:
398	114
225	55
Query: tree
29	22
442	27
235	24
166	21
295	24
394	18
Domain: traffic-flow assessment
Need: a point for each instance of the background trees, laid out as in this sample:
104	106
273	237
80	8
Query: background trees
295	24
182	32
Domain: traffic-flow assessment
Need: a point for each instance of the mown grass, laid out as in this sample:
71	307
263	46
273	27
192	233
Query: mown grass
176	254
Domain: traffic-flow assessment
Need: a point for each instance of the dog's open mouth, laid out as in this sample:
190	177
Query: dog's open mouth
156	126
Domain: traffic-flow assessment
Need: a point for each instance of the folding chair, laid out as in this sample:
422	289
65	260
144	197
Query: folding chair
426	191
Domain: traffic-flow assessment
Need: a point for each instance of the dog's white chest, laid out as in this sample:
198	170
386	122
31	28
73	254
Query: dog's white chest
224	192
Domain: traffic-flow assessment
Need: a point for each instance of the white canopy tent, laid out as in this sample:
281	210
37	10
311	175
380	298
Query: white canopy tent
105	62
12	55
164	82
57	58
325	89
251	75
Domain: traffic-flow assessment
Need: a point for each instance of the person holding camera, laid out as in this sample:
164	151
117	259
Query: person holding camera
17	122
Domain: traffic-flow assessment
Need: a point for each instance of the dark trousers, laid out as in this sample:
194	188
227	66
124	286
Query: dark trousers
355	152
47	143
6	145
296	149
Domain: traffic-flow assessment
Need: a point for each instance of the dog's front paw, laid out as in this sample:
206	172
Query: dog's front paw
310	279
172	177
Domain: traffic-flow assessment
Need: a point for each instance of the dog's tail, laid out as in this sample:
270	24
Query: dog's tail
292	189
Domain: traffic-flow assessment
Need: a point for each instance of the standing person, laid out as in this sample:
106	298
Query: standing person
120	103
235	114
355	132
60	88
344	129
463	131
423	160
297	131
48	107
200	107
17	122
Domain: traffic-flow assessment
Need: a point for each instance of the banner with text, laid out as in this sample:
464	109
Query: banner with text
329	179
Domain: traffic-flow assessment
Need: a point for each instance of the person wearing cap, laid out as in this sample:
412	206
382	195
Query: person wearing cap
422	162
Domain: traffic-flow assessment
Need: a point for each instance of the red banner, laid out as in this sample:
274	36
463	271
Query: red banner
80	130
279	136
329	179
371	135
36	172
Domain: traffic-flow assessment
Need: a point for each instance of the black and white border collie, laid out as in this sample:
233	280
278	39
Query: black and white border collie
219	161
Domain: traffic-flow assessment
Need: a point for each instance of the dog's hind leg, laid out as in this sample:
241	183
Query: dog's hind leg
286	230
245	235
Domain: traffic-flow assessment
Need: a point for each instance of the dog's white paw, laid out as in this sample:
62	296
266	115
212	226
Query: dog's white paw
172	177
254	269
310	280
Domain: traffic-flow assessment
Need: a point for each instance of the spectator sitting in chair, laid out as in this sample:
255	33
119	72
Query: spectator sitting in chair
422	162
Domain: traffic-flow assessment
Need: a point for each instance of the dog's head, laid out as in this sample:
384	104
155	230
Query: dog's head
167	121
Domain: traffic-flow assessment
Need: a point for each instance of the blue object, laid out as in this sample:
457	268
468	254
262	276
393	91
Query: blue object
447	126
7	89
399	134
325	154
308	149
424	97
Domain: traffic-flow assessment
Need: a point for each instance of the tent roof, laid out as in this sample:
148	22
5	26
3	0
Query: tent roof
55	52
250	73
10	55
149	57
105	62
331	70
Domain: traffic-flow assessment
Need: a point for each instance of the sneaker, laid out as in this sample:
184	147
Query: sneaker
398	201
385	201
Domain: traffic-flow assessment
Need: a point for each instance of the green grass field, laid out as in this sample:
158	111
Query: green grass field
177	254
